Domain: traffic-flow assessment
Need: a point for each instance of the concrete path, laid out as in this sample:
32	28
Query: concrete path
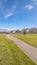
29	50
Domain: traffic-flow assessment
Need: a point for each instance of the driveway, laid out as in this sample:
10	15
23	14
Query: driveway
29	50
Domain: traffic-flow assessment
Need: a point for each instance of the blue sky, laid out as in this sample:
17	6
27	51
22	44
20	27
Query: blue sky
18	14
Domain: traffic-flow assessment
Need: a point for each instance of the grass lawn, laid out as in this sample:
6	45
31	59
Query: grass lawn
10	54
29	38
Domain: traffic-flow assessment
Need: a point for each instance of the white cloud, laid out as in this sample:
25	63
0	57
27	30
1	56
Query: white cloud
2	2
34	2
29	7
6	1
6	11
1	7
10	12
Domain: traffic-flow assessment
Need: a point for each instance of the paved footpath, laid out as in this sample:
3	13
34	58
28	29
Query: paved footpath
29	50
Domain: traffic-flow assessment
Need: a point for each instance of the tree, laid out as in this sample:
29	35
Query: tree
25	31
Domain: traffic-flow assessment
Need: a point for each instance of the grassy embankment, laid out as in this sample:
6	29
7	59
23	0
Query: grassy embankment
10	54
29	38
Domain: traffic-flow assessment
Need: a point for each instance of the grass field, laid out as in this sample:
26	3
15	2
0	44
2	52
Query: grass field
10	54
29	38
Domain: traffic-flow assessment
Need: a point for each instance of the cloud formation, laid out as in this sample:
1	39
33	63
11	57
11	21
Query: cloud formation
29	7
10	12
6	10
1	5
6	1
34	2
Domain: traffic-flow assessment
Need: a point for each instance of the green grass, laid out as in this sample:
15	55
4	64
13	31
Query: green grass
10	54
29	38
